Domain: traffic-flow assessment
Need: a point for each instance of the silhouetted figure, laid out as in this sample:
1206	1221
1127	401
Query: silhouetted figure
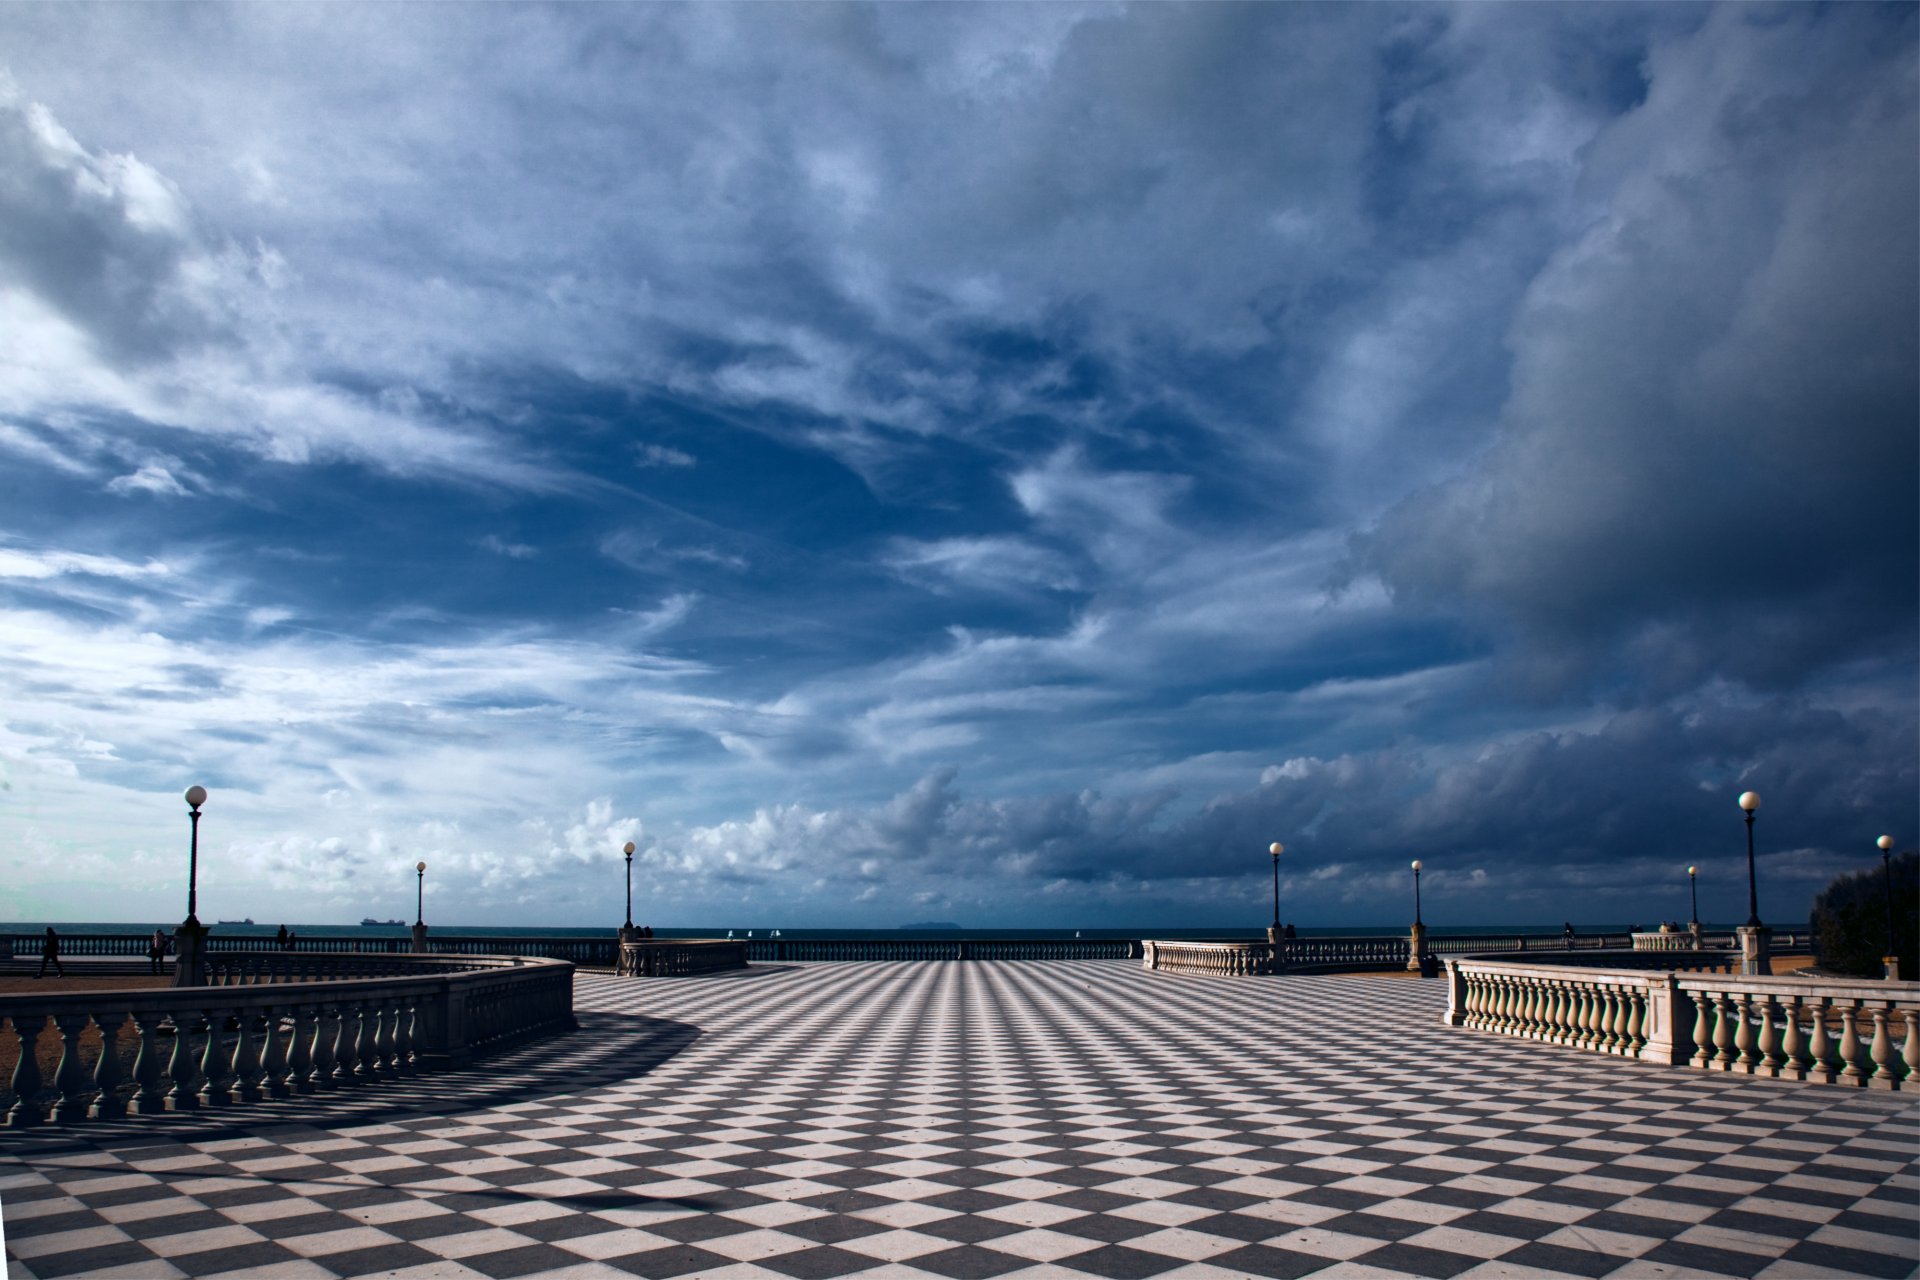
50	953
157	952
1288	934
284	939
1566	932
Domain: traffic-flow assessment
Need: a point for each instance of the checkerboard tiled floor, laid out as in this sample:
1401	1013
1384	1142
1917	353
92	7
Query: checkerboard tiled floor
997	1119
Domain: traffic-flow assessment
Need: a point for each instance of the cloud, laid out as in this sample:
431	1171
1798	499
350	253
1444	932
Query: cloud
511	550
151	478
659	455
1701	469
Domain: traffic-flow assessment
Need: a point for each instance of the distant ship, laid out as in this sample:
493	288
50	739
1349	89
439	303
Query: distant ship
370	922
248	920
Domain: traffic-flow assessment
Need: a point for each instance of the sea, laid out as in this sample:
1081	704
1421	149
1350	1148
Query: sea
1171	933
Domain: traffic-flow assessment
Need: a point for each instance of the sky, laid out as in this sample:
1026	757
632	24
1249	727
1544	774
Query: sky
1000	464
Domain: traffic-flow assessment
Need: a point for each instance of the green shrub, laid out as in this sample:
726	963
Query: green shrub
1849	921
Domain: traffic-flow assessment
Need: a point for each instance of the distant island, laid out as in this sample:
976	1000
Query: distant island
930	926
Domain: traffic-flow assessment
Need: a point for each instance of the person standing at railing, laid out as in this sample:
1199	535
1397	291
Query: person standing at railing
50	953
1567	933
157	952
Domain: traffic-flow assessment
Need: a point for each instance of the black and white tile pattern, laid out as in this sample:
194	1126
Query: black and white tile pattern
977	1119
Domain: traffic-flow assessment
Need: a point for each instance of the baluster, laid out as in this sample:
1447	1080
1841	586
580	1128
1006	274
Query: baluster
1773	1057
245	1084
403	1034
1635	1033
300	1049
1588	1021
184	1096
1850	1056
1747	1039
1704	1017
148	1096
387	1013
346	1051
326	1035
107	1102
70	1078
1793	1048
1910	1051
1614	1022
1723	1032
354	1053
26	1110
1566	1009
1884	1076
215	1066
273	1055
1535	1011
1820	1061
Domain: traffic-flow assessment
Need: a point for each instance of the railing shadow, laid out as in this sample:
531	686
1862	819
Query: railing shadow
607	1047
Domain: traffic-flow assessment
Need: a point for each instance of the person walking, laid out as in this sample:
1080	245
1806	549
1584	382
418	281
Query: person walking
50	953
157	952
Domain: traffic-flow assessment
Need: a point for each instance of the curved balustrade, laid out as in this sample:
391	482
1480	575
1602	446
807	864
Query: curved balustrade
665	958
1864	1033
809	950
206	1047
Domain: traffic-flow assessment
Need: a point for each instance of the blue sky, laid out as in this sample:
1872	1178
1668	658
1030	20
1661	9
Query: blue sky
1005	464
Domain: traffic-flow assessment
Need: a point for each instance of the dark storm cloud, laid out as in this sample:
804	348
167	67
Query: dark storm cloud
1707	464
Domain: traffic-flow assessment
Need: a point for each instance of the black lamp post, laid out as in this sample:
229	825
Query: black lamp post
1693	896
1886	870
196	796
628	850
1750	801
1416	891
1276	849
419	893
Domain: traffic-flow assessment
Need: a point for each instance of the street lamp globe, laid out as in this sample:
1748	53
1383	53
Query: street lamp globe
420	867
196	796
1885	844
1276	848
1749	800
1416	864
627	848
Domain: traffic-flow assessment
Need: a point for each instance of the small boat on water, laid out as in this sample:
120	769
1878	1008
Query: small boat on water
248	920
370	922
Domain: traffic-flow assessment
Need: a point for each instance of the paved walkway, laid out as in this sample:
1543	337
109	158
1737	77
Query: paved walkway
996	1119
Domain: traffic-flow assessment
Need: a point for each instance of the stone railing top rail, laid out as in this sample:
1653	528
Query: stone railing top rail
1757	984
433	972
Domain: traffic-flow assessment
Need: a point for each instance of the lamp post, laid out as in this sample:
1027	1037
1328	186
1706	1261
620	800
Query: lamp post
1750	803
196	796
190	939
628	850
419	908
1419	959
1276	849
1693	897
1416	891
1886	871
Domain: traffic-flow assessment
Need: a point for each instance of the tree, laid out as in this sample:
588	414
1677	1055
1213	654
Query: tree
1849	920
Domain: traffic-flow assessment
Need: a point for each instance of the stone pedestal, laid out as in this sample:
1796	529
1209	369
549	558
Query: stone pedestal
1892	966
1694	930
419	932
1756	950
622	965
1417	959
190	954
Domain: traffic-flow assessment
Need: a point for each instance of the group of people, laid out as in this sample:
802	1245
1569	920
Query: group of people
158	947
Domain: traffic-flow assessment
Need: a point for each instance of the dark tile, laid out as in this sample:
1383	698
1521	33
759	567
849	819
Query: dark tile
816	1264
1336	1198
370	1261
1897	1229
432	1225
516	1262
256	1258
966	1228
705	1226
1261	1260
566	1227
1106	1227
1860	1261
1214	1198
1117	1262
855	1201
838	1227
1553	1257
968	1201
1457	1197
117	1196
1092	1200
1418	1260
121	1253
1373	1226
968	1262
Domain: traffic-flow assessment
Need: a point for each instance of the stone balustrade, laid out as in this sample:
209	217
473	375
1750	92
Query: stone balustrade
249	1041
1208	959
1840	1031
679	958
810	950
